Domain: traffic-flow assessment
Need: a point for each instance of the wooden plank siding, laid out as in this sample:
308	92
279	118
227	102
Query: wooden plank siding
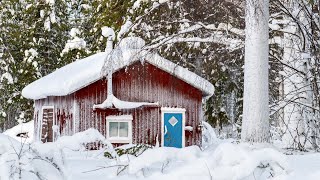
136	83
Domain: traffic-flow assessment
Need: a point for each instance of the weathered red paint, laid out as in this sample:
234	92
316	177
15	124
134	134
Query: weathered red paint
137	83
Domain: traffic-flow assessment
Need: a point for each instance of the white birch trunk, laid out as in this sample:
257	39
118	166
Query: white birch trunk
297	86
293	91
255	123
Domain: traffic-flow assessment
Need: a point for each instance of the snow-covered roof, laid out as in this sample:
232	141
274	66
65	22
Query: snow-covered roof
67	79
81	73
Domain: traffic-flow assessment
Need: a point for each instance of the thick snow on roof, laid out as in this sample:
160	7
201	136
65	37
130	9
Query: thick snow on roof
81	73
67	79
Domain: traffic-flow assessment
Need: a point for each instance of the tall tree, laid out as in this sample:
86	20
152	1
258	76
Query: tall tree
255	123
32	36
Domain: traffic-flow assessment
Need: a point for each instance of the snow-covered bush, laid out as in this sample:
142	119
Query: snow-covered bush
24	161
7	143
208	135
225	161
80	140
131	149
238	161
39	160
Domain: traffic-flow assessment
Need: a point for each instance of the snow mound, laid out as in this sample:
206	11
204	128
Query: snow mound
154	157
64	159
22	132
208	135
226	161
79	140
43	160
230	161
7	143
24	161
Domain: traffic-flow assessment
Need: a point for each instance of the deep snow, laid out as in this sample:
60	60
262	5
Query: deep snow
22	132
220	159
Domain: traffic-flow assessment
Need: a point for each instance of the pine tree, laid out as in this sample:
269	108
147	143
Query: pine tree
32	37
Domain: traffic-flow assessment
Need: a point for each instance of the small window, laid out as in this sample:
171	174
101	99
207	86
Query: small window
119	129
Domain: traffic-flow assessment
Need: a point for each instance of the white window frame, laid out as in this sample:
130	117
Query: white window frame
173	110
54	123
120	118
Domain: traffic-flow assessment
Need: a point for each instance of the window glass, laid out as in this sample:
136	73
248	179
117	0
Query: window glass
113	129
123	130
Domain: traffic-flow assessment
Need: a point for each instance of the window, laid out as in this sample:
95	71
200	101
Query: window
47	121
119	129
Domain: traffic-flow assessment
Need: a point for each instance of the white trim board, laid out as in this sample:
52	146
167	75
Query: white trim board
173	110
170	109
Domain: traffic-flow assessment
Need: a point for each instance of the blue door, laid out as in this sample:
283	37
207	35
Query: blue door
172	129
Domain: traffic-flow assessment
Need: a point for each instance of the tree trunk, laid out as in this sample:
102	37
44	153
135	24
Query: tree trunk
297	85
255	123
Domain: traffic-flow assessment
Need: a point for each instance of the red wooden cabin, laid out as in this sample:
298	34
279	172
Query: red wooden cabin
151	100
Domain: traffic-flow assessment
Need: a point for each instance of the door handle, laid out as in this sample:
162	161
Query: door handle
165	130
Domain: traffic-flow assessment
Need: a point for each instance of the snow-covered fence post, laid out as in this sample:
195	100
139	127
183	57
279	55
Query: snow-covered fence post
255	124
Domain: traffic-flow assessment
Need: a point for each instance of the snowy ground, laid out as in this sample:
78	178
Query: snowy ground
225	160
306	167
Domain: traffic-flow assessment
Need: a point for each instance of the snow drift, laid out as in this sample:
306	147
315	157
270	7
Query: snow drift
68	158
22	132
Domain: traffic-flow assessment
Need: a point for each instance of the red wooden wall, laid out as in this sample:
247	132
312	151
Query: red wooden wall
136	83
